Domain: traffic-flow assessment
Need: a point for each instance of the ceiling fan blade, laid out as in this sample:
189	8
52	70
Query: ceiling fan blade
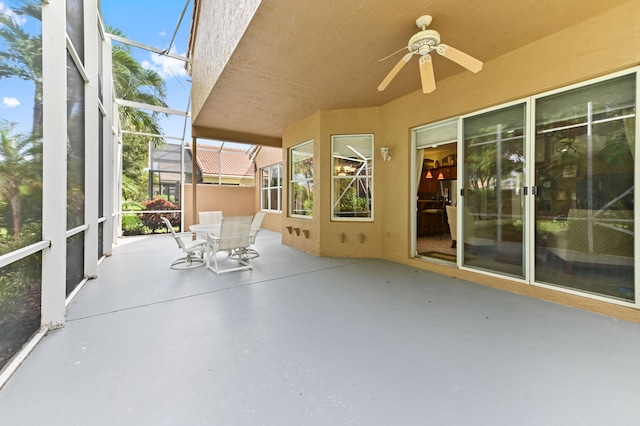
460	58
394	71
426	74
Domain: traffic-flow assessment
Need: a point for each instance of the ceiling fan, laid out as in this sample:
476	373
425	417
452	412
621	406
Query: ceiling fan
422	43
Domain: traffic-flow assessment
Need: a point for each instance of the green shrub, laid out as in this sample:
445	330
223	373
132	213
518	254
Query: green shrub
12	292
153	221
18	278
131	225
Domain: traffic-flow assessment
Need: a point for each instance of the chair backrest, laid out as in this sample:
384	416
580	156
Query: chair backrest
210	217
235	232
173	233
256	223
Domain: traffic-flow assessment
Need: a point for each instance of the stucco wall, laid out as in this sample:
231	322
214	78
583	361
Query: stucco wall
303	131
344	122
326	237
225	23
231	200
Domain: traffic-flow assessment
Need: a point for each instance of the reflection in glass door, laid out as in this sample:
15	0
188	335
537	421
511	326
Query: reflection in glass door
584	149
493	212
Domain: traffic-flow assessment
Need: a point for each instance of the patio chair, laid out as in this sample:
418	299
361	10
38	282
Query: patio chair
234	238
256	223
210	217
193	250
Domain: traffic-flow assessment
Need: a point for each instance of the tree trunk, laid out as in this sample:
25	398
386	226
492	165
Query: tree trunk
36	129
16	212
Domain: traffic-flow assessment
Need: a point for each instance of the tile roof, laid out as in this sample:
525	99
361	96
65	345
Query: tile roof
214	160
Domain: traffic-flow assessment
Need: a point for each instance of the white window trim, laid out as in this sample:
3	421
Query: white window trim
269	187
291	181
369	176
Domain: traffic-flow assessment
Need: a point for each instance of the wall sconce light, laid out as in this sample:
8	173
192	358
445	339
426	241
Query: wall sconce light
429	175
384	151
440	176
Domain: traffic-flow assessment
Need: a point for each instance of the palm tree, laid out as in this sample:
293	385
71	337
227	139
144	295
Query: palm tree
21	55
134	83
18	168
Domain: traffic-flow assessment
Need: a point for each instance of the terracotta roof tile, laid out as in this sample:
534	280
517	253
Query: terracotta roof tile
211	160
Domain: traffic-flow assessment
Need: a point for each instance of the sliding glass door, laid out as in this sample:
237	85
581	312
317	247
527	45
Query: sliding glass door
493	213
585	149
548	188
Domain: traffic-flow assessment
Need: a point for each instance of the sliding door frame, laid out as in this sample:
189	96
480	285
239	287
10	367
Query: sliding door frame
529	190
636	179
526	234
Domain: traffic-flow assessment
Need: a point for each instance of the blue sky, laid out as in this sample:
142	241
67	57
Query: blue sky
153	23
149	22
16	96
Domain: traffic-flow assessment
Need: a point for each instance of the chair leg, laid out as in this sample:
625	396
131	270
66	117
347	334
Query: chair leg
242	255
253	253
187	262
215	262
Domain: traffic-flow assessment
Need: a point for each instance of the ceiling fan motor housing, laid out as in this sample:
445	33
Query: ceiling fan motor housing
424	40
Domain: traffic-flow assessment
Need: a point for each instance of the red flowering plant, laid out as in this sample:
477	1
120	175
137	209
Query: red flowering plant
153	219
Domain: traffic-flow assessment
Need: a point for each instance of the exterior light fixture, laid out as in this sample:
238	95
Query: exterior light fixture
384	151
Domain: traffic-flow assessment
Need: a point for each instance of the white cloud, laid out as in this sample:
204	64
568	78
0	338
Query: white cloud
165	66
10	102
162	33
20	20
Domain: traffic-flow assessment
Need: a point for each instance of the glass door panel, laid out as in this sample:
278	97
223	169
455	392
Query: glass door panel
584	149
493	203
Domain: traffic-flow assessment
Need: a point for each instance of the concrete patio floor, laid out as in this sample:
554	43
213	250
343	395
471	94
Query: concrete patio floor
304	340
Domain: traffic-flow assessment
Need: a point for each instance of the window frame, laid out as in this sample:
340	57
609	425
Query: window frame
293	181
265	191
338	162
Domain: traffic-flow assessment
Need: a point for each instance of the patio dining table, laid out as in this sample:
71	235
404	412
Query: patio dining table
206	228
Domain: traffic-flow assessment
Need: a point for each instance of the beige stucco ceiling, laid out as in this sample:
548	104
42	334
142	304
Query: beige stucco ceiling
300	56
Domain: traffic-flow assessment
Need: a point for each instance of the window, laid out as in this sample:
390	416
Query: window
352	183
575	228
585	171
301	172
494	166
271	188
